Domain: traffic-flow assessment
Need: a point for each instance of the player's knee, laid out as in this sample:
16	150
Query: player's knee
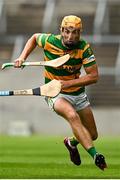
72	117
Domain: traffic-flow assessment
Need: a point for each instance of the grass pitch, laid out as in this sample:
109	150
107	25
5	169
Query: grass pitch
39	157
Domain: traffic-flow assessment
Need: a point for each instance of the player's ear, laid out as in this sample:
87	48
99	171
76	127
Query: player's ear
61	30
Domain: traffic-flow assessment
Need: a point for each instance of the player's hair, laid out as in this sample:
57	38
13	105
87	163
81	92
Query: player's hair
71	21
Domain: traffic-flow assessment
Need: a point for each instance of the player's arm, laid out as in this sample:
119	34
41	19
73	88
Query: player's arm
29	47
91	69
90	77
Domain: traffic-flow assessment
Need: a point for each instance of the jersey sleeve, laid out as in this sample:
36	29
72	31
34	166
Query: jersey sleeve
41	39
88	56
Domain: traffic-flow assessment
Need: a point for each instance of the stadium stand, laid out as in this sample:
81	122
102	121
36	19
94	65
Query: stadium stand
114	17
22	21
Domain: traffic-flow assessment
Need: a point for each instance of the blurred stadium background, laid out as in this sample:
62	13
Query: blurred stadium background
19	19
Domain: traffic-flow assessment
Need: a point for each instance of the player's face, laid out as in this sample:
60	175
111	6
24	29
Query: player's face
70	36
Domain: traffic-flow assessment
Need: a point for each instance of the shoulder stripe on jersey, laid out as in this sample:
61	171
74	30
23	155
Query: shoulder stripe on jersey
42	38
89	64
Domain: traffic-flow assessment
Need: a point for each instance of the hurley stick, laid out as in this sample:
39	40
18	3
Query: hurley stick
50	89
53	63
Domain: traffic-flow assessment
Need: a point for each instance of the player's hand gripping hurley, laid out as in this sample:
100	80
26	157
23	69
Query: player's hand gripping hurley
53	63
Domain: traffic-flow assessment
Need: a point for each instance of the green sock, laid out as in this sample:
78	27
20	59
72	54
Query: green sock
92	151
73	141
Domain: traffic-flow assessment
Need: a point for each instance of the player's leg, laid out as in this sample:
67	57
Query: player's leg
73	150
81	133
82	106
87	118
68	112
88	121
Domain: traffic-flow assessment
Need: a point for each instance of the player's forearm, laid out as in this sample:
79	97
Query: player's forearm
29	47
82	81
